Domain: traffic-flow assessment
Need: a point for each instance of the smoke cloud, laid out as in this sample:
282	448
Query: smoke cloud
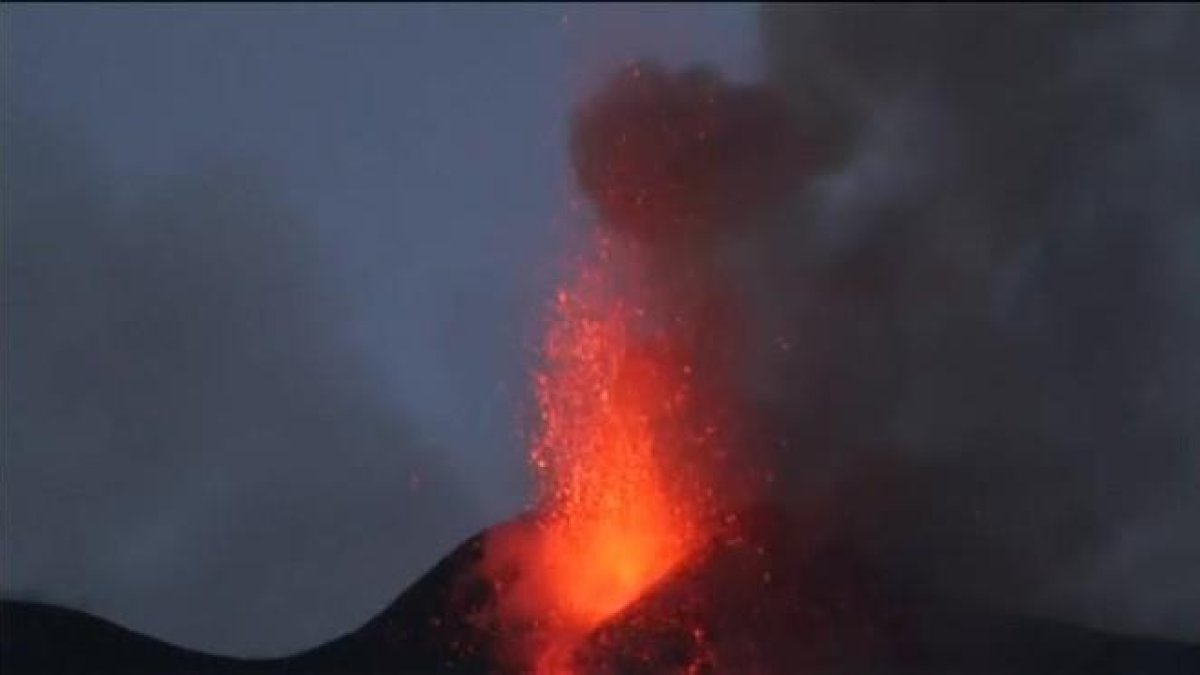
972	324
984	300
192	447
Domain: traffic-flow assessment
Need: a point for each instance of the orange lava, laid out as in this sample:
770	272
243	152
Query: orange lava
620	503
640	359
616	523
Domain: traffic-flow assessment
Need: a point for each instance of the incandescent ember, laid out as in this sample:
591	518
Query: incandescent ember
635	387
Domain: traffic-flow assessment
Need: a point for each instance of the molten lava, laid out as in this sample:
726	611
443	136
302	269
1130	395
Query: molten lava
611	399
621	504
637	357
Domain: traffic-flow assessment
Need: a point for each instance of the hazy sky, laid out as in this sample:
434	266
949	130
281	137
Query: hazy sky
375	197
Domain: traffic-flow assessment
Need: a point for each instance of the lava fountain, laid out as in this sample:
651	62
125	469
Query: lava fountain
609	401
635	377
622	494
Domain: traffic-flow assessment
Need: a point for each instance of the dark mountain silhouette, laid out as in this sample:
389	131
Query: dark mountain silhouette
758	599
425	630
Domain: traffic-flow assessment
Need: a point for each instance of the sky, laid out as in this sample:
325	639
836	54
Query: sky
276	277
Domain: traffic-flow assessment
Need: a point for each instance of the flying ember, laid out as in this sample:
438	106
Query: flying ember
620	504
636	360
608	398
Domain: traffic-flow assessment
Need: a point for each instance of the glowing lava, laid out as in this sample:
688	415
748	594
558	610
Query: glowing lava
619	492
611	399
631	441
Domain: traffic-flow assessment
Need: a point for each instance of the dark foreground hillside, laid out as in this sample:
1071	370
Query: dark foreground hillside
755	602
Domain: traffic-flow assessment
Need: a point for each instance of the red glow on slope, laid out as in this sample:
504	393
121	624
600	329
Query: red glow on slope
631	439
609	401
620	505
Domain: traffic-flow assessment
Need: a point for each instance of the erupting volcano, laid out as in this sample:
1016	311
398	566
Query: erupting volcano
654	545
621	503
633	385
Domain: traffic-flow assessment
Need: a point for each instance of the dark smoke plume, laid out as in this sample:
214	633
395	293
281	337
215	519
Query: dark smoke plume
988	295
972	325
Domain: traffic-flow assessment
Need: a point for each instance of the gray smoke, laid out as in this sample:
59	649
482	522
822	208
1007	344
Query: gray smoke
986	299
192	447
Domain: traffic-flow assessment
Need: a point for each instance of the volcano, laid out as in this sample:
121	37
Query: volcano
641	554
755	599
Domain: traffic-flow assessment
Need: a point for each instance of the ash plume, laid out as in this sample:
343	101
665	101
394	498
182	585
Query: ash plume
971	324
998	267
